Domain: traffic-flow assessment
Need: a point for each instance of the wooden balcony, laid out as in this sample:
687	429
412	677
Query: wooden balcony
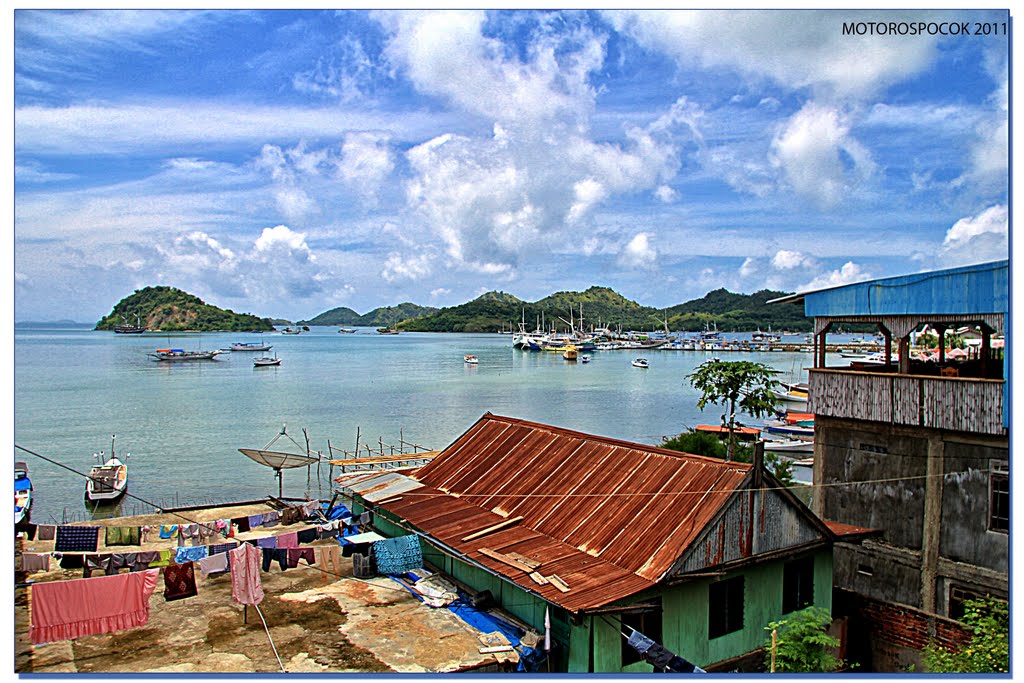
963	405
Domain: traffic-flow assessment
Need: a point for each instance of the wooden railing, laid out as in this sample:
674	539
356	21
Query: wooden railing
963	405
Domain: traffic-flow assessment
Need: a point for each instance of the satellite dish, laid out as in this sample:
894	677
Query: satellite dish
278	461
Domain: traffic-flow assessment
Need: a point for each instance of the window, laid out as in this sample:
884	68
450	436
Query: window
797	584
725	607
958	595
647	620
999	496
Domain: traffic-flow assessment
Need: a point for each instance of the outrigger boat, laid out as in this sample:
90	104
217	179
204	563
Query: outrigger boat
251	346
108	480
22	494
181	354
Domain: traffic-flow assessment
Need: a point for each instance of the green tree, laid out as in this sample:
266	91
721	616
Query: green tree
738	384
987	650
802	643
703	443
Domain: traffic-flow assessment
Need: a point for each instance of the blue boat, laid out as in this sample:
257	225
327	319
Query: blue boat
22	493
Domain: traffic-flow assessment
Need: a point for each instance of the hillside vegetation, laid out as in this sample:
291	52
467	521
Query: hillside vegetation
385	316
167	309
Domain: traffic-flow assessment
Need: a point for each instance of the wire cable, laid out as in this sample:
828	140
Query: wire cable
272	646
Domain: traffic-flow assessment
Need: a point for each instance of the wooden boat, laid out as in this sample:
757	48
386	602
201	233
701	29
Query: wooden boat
128	328
345	330
792	431
471	360
789	445
570	353
792	393
251	346
640	363
22	493
180	355
266	361
108	480
291	330
742	433
387	330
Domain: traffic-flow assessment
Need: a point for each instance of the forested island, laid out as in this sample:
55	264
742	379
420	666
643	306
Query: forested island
167	309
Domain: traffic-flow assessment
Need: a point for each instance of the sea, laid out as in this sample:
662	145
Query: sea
183	422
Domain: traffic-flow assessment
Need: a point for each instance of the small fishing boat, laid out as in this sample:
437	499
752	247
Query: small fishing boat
789	445
570	353
471	360
128	328
585	358
387	330
291	330
181	354
251	346
640	363
22	493
108	480
792	431
792	393
345	330
266	361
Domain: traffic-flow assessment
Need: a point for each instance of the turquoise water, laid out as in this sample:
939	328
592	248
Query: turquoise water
183	422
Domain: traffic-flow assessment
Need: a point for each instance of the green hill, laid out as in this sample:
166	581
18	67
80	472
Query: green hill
168	309
336	316
738	312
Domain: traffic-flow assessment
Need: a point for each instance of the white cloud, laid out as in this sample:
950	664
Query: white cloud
366	162
665	194
294	203
406	267
796	49
439	292
281	235
977	239
818	157
749	267
639	252
787	260
849	273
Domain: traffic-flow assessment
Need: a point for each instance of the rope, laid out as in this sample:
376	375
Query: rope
269	638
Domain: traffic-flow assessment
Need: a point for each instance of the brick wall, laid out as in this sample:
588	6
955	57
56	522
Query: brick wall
899	634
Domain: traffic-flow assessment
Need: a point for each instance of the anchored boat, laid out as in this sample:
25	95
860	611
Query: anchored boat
22	493
108	480
181	354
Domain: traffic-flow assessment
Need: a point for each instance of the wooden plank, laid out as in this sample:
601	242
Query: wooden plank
490	529
501	557
528	561
558	583
538	578
496	648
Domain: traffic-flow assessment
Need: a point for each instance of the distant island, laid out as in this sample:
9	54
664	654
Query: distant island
167	309
602	307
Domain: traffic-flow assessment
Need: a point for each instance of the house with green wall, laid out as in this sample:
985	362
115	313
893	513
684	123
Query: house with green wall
606	536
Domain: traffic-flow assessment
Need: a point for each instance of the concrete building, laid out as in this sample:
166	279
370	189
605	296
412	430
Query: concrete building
594	534
919	450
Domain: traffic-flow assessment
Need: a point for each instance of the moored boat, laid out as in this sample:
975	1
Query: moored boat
128	328
640	363
250	346
470	359
387	330
789	445
792	431
181	354
108	480
291	330
266	361
570	353
345	330
22	493
585	358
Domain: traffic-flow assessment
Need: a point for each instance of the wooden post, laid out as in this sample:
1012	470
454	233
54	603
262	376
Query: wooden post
774	643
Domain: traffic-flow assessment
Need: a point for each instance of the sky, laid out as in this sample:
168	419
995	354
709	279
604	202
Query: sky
284	163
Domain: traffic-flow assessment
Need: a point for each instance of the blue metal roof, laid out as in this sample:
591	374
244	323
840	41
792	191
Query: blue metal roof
982	288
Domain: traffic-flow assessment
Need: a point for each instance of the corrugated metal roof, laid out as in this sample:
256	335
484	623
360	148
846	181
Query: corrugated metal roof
609	517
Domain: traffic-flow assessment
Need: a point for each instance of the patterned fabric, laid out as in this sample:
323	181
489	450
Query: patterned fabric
296	554
179	582
246	584
169	531
77	539
221	548
46	532
122	535
398	555
183	555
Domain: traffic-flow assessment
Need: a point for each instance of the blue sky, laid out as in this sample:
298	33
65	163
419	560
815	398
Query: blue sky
287	162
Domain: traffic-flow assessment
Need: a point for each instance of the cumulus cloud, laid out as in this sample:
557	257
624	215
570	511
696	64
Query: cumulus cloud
366	162
794	49
639	252
976	239
406	267
439	292
665	194
850	272
787	260
818	157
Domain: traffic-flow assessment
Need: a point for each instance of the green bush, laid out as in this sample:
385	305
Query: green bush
803	644
987	650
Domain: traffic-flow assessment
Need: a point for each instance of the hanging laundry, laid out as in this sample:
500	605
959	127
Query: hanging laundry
310	508
246	584
144	533
168	531
274	555
183	555
366	518
296	554
255	520
122	560
271	518
398	555
330	561
306	535
166	558
214	564
188	532
207	531
77	539
289	540
267	542
94	563
661	659
63	610
179	582
148	558
221	548
70	561
122	535
33	562
29	529
242	523
46	532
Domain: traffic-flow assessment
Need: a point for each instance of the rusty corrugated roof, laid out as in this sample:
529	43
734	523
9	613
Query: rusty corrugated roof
608	516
